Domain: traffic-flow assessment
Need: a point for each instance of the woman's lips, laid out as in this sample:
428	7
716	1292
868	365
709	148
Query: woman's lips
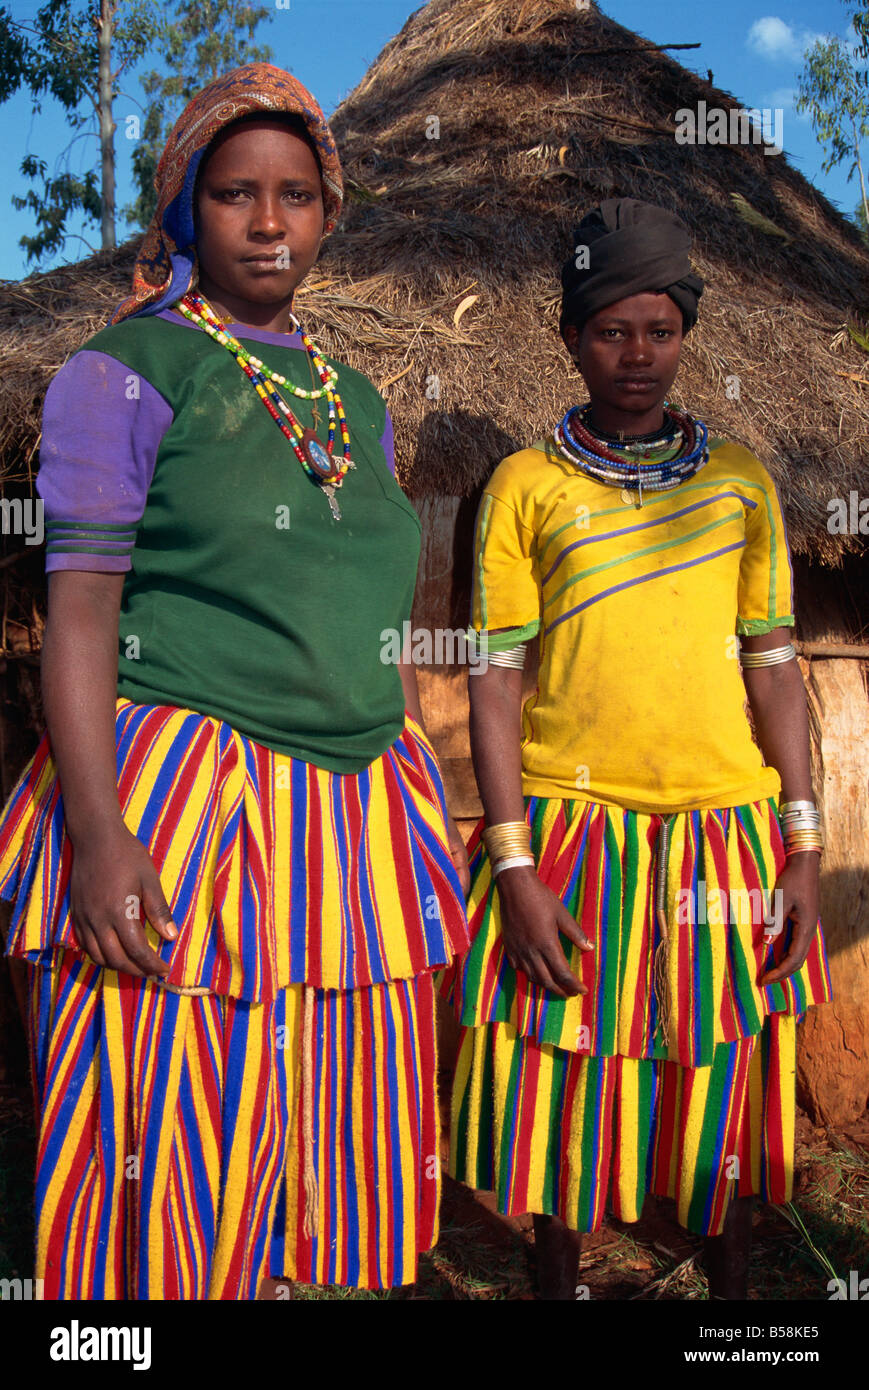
635	384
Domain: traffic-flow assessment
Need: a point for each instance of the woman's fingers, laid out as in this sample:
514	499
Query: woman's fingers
572	930
561	972
116	953
801	940
140	959
536	968
460	862
123	942
546	966
130	930
156	909
88	942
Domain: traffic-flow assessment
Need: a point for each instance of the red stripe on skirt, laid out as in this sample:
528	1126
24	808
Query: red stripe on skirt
314	886
399	831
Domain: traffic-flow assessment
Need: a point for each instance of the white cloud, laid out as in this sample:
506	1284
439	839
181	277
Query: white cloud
784	98
773	38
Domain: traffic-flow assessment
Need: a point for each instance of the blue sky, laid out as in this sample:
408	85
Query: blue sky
754	48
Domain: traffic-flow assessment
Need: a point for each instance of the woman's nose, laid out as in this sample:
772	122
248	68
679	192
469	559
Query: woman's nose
636	349
268	217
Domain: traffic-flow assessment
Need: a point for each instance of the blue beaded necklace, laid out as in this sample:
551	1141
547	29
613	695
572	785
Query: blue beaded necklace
685	440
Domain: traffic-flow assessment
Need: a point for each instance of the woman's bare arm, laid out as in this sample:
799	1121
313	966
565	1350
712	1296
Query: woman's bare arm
458	852
112	873
777	696
531	914
79	685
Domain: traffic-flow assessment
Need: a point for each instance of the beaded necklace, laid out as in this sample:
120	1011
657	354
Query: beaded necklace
318	462
681	452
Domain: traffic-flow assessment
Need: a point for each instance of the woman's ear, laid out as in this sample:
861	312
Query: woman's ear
570	335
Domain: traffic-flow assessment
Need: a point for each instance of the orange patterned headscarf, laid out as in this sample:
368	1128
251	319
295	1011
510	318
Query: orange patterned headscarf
166	264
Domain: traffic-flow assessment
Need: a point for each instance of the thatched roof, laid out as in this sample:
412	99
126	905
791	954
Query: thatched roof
544	109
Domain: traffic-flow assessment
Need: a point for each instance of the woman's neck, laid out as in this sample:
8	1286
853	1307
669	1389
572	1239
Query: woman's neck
627	436
272	318
622	425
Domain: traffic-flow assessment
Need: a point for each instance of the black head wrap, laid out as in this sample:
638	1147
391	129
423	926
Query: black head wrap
633	248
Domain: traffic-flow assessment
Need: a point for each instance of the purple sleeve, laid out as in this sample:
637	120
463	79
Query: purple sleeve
102	424
387	443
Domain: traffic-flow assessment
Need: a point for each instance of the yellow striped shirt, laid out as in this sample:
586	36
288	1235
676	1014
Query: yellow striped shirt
640	702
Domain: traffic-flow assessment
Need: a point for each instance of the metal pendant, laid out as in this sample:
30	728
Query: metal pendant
332	500
635	500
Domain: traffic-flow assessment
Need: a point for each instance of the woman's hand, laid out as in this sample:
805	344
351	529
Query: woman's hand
798	886
113	885
459	855
531	918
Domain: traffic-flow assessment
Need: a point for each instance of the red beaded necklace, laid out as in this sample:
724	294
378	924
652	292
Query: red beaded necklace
317	460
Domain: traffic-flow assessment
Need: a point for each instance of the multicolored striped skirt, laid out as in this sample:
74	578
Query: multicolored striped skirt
675	1073
270	1107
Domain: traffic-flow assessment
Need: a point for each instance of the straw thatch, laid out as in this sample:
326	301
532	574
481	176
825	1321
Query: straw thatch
543	109
442	281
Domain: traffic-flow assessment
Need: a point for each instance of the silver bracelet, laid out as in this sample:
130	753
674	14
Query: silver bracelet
511	656
773	657
512	863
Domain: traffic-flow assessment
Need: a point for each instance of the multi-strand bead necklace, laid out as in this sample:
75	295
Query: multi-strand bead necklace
319	462
682	451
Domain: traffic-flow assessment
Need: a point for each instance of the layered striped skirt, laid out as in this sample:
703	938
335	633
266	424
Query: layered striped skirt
270	1108
675	1073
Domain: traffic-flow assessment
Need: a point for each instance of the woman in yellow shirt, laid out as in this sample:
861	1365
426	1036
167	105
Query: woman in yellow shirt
630	997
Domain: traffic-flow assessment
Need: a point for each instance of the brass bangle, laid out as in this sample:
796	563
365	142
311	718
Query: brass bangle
508	838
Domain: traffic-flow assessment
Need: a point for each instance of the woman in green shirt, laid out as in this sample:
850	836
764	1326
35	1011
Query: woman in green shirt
231	861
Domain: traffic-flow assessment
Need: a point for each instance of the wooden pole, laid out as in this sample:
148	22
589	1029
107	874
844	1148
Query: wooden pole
857	651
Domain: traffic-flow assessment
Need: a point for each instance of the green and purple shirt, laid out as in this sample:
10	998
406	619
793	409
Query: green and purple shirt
243	598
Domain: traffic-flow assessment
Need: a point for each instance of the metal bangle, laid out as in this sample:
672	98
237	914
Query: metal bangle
775	656
511	656
512	863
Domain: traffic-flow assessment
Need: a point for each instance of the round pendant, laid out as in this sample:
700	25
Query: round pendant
626	496
322	462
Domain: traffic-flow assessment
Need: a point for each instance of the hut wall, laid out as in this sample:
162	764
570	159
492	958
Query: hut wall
833	1056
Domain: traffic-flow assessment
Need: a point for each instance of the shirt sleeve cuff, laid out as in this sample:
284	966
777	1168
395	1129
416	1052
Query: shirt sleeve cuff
87	560
89	542
756	627
501	641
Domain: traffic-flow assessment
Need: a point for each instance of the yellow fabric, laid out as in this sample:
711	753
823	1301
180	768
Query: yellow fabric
638	610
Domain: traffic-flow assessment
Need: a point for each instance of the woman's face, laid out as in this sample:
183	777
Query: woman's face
259	220
628	354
